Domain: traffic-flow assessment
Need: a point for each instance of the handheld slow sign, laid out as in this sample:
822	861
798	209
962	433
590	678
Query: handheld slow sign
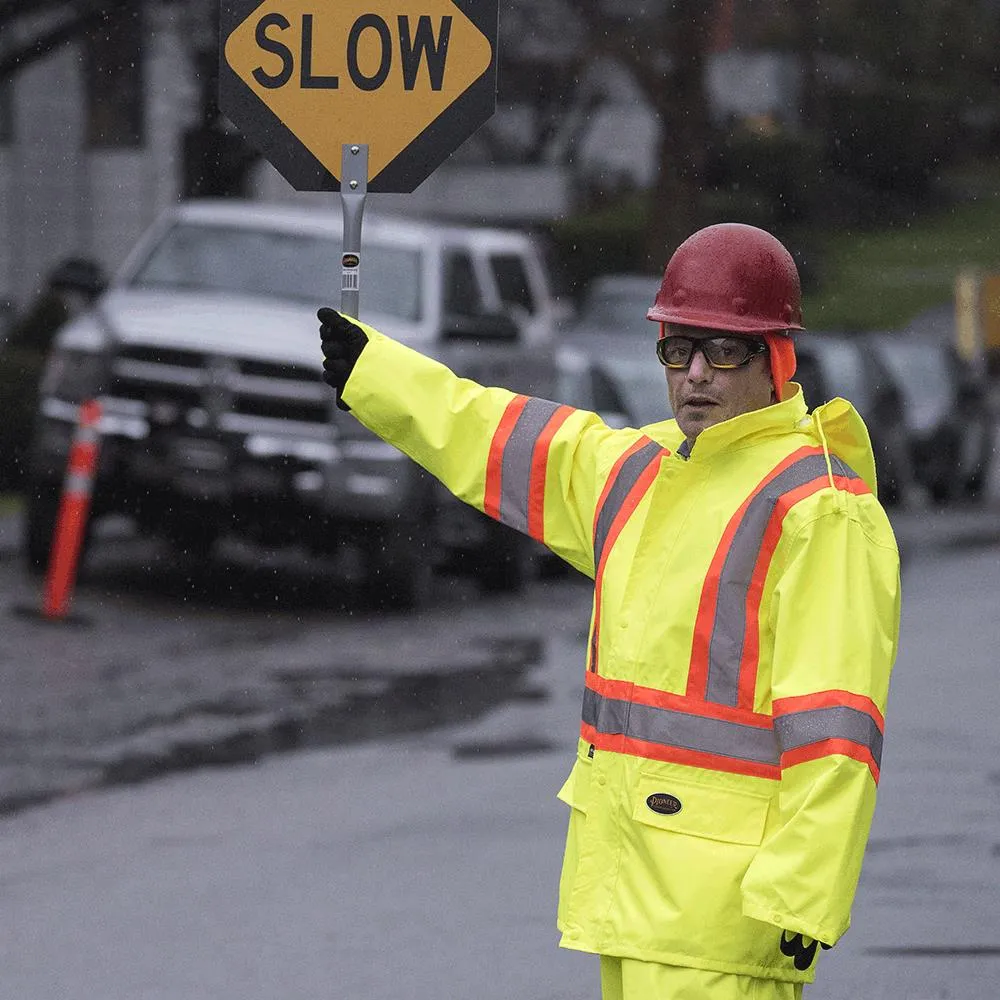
410	80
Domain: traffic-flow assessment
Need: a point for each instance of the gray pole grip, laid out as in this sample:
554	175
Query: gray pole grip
353	191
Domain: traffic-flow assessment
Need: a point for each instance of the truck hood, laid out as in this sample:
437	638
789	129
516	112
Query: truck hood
238	326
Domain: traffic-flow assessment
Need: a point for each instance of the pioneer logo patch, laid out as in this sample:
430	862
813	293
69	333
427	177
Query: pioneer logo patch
663	803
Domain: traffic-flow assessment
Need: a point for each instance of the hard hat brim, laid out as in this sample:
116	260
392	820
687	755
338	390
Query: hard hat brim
719	321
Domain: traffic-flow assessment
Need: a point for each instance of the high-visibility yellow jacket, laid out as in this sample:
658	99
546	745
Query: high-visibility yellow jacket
745	620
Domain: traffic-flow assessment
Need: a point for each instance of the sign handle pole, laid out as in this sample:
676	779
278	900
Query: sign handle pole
353	191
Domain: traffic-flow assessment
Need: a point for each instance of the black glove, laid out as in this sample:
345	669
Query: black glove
802	954
342	342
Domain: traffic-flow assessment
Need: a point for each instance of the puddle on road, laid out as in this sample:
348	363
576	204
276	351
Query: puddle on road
329	708
316	706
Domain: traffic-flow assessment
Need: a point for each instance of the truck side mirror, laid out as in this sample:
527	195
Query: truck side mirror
77	274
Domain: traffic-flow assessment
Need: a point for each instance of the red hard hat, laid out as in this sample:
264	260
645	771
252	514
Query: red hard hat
730	277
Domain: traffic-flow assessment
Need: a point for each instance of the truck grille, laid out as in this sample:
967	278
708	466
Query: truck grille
181	381
164	356
276	408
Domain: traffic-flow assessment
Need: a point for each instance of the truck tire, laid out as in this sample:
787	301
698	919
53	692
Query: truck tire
192	537
399	570
978	464
942	491
975	485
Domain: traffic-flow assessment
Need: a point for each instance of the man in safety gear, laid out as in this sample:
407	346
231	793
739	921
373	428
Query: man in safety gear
744	626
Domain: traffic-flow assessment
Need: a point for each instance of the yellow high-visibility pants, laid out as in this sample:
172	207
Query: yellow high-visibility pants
629	979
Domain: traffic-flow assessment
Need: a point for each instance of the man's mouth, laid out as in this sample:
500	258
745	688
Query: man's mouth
699	401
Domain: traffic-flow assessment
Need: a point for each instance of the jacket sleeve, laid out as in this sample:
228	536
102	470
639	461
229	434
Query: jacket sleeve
835	621
527	462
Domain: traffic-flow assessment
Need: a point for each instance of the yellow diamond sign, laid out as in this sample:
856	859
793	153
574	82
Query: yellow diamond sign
410	80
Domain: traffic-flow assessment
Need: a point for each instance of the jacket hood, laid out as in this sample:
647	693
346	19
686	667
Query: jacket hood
840	429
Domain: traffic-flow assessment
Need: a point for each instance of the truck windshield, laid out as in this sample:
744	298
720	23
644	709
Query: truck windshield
278	264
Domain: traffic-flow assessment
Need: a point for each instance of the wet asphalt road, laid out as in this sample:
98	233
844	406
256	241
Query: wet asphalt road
164	666
99	888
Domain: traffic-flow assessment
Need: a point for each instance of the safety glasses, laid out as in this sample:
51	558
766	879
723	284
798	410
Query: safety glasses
719	352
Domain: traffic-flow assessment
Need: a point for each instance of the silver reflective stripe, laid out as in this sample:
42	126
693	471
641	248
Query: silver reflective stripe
78	482
515	471
729	628
628	475
839	722
669	727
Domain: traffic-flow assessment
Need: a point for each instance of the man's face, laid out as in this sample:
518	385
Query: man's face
701	395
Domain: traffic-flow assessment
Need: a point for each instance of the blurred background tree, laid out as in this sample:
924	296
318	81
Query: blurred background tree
889	103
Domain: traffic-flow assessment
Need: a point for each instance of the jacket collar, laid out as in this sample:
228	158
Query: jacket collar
736	432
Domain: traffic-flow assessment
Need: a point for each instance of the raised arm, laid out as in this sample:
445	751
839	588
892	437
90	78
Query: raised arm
531	463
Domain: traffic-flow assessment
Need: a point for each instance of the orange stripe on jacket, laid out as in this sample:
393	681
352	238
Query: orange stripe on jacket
832	698
829	748
705	618
627	691
539	466
677	755
494	461
750	660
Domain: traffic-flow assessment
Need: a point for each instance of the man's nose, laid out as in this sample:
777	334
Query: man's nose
699	370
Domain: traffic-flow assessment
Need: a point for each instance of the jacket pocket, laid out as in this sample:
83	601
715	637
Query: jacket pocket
575	791
728	815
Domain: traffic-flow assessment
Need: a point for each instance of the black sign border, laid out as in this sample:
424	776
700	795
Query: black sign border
411	167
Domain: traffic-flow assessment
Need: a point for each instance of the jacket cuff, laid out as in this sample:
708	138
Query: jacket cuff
791	922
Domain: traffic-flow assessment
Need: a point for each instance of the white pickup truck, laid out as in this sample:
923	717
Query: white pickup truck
204	352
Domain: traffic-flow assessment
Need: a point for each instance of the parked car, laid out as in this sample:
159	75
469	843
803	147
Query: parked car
951	428
204	352
607	361
616	305
839	364
616	380
621	381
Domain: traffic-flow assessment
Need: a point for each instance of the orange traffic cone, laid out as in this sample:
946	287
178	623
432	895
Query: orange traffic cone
74	508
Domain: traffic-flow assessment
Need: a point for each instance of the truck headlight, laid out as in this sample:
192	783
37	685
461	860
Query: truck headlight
74	375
